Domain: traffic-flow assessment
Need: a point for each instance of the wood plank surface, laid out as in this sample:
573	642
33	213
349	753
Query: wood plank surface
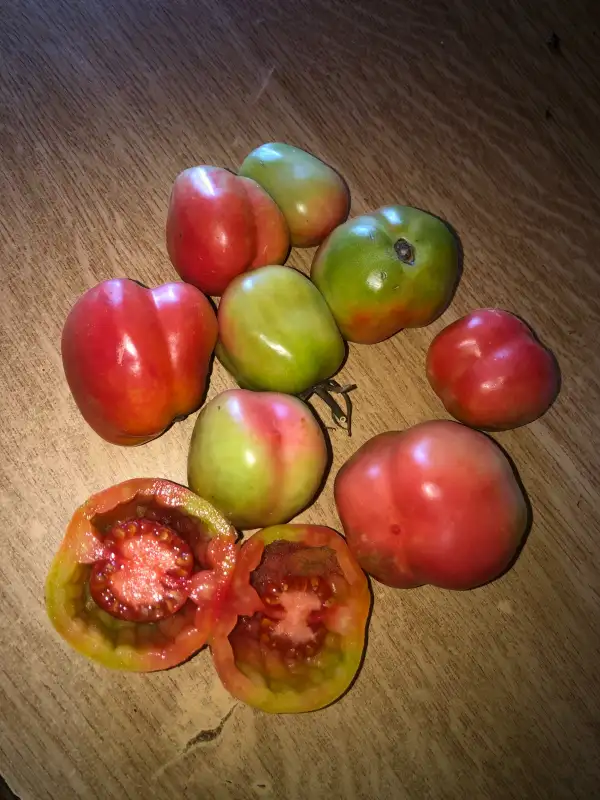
461	107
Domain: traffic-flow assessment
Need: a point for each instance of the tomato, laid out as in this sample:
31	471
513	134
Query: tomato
259	457
136	359
276	332
490	371
314	198
392	269
437	503
143	575
220	225
302	649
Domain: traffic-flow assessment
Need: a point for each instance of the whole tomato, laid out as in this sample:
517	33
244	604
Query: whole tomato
220	225
314	198
392	269
259	457
136	359
143	575
301	650
437	503
276	332
490	371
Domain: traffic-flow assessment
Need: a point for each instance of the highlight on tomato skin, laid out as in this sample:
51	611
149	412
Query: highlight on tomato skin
142	576
491	372
301	650
137	359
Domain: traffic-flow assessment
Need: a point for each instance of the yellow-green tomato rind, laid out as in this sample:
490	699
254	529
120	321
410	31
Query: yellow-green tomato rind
276	332
259	457
371	292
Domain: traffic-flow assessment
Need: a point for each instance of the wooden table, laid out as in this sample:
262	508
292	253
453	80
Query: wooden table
469	109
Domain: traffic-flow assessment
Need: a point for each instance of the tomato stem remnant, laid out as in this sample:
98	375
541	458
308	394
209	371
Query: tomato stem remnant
405	251
326	390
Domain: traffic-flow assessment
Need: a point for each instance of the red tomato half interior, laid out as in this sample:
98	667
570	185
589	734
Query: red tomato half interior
137	582
300	586
144	575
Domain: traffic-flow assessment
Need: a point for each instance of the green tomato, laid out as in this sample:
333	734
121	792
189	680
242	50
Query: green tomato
396	268
259	457
313	197
276	332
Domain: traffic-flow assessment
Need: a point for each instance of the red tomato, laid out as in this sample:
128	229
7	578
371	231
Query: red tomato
491	372
143	575
437	503
136	359
220	225
302	647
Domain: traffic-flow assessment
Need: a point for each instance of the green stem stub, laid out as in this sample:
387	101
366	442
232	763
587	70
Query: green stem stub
342	416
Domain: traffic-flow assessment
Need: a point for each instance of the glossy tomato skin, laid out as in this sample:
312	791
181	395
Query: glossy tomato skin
220	225
276	332
396	268
491	372
136	359
314	198
250	670
259	457
144	646
436	504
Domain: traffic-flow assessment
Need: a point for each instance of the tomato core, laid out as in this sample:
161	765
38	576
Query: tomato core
298	586
144	574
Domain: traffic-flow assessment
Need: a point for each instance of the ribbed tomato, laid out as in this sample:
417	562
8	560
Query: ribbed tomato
136	359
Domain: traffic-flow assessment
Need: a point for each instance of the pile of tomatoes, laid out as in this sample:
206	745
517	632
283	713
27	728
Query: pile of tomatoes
150	571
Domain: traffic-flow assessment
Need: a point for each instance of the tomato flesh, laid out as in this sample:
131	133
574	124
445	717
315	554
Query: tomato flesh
143	578
290	638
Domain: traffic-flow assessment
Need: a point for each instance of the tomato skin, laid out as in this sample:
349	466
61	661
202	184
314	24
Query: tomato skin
314	198
259	457
490	371
276	332
352	616
220	225
370	290
444	507
91	631
135	358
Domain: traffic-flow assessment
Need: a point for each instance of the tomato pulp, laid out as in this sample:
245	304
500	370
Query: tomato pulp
302	649
143	574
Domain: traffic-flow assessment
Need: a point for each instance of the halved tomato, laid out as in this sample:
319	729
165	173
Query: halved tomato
142	576
302	648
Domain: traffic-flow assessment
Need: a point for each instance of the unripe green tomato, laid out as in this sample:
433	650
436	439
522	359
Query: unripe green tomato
313	197
258	457
392	269
276	332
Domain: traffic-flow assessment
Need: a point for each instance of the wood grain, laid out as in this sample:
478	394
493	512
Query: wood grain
457	106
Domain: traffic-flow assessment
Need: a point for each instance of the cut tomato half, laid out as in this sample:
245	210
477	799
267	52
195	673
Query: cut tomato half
302	646
144	573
